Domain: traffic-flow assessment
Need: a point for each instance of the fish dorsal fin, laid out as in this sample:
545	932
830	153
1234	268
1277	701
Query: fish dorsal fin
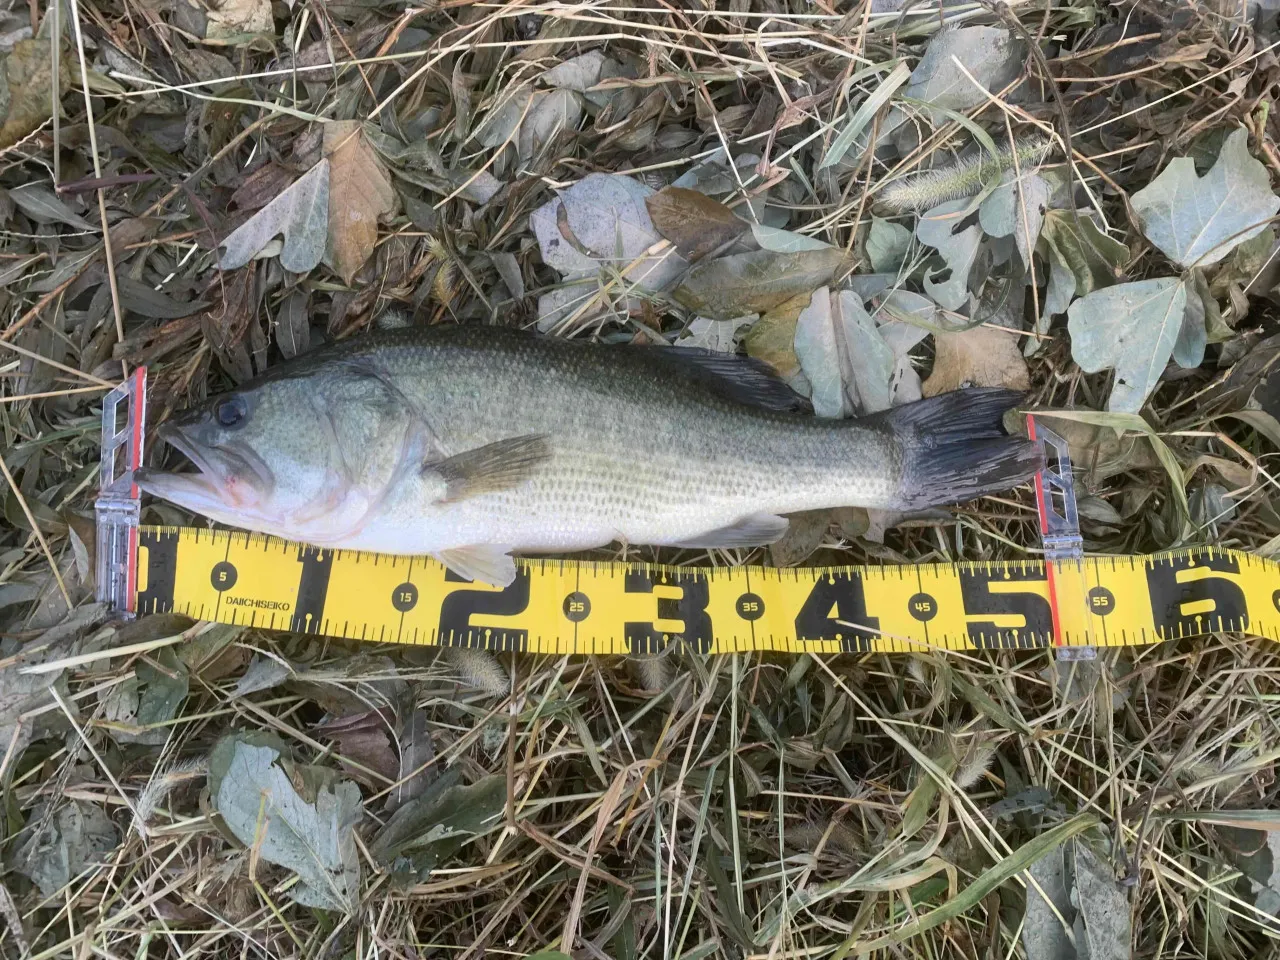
481	564
495	466
734	377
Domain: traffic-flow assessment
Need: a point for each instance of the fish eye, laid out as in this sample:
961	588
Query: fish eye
231	411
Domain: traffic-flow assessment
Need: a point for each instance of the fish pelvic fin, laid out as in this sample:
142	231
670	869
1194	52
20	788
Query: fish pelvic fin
481	564
953	447
493	467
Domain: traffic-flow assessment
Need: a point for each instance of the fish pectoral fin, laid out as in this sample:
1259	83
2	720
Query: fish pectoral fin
753	530
495	466
482	563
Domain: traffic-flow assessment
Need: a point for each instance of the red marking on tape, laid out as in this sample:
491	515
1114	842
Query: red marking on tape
1042	507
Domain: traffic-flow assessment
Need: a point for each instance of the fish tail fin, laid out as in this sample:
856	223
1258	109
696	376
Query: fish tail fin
954	447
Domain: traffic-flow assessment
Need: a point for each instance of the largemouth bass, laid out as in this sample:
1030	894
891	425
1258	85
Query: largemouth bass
469	443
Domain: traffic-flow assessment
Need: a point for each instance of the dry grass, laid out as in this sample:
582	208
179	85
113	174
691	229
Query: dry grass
746	806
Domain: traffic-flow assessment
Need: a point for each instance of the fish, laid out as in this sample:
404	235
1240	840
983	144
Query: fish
474	443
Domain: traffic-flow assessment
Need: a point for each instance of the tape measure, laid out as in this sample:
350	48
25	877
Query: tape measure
564	606
557	606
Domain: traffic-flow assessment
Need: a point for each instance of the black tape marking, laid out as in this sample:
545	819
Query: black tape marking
850	623
456	629
162	569
691	609
979	600
313	587
1230	609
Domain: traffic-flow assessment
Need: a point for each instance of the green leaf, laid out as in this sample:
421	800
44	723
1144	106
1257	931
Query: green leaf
1197	221
887	245
990	55
755	282
1131	327
314	838
958	247
1017	207
862	116
437	823
968	898
53	849
1092	257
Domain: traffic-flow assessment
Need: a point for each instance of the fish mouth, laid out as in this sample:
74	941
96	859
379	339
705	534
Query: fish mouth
225	478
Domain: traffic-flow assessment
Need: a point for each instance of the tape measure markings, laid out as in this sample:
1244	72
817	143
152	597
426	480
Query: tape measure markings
562	606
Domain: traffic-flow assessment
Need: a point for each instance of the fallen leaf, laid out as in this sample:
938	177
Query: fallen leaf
360	192
887	245
54	849
1094	258
1043	935
20	692
991	55
315	838
717	335
1017	207
579	73
805	532
772	337
941	229
755	282
42	205
550	113
29	75
980	357
843	355
605	233
436	824
1197	221
293	325
1131	327
232	19
416	751
365	739
1104	910
502	120
301	213
694	222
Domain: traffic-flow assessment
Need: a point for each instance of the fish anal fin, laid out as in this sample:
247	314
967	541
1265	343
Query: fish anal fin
481	563
753	530
495	466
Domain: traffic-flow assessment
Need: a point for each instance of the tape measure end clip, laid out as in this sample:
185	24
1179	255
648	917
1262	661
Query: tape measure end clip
117	509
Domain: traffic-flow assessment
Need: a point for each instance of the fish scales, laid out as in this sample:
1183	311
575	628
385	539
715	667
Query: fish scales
471	442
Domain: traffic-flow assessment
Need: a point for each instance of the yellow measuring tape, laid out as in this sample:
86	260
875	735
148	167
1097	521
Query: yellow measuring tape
564	606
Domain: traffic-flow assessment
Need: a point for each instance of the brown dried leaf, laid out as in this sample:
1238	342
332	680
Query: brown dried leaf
360	192
980	357
773	337
29	74
261	187
365	739
695	223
